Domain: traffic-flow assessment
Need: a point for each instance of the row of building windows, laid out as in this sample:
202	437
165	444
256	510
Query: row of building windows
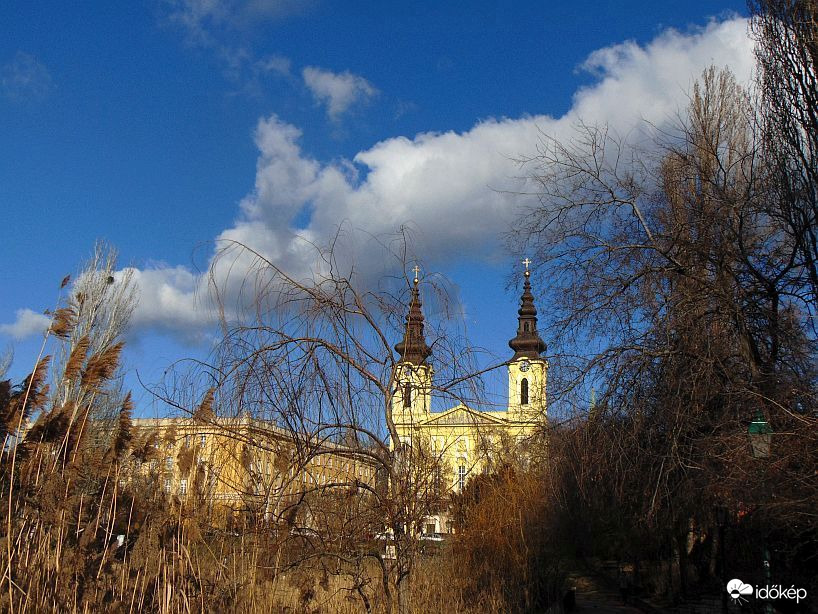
170	444
306	478
361	472
317	479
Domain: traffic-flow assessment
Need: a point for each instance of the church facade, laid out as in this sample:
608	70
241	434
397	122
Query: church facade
461	441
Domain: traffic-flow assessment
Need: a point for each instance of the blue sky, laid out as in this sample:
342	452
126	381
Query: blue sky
162	125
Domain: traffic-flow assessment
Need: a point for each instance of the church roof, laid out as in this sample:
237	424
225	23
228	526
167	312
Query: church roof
413	348
527	343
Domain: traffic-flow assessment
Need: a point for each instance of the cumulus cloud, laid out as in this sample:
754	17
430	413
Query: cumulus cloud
26	324
652	82
338	91
168	299
453	188
24	78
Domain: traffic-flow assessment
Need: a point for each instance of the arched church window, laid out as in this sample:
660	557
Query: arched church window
407	395
524	391
527	327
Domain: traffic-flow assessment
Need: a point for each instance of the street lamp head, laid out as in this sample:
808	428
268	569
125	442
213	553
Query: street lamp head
761	435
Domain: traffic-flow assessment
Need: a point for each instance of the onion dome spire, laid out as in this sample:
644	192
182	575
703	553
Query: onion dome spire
413	348
527	343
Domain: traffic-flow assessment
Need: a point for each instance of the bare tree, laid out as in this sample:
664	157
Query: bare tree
670	269
786	34
311	356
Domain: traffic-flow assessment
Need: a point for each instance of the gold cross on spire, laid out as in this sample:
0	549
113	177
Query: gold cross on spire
416	269
526	262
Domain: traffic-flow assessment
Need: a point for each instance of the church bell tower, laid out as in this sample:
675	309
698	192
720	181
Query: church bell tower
412	382
527	370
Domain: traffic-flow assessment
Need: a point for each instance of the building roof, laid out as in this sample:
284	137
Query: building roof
412	348
527	343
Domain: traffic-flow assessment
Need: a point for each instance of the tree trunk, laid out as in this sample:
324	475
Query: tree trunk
681	545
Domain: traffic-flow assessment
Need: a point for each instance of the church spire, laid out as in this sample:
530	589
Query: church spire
527	343
413	348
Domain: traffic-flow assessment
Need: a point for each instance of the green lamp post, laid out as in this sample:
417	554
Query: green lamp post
761	436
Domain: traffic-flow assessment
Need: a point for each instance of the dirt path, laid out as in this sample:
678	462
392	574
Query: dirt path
594	596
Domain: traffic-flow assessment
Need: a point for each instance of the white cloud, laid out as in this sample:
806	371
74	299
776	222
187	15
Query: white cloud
202	19
453	188
24	78
26	324
277	64
175	300
338	91
214	25
652	83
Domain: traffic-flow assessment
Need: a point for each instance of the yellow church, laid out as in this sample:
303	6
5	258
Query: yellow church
465	442
249	469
